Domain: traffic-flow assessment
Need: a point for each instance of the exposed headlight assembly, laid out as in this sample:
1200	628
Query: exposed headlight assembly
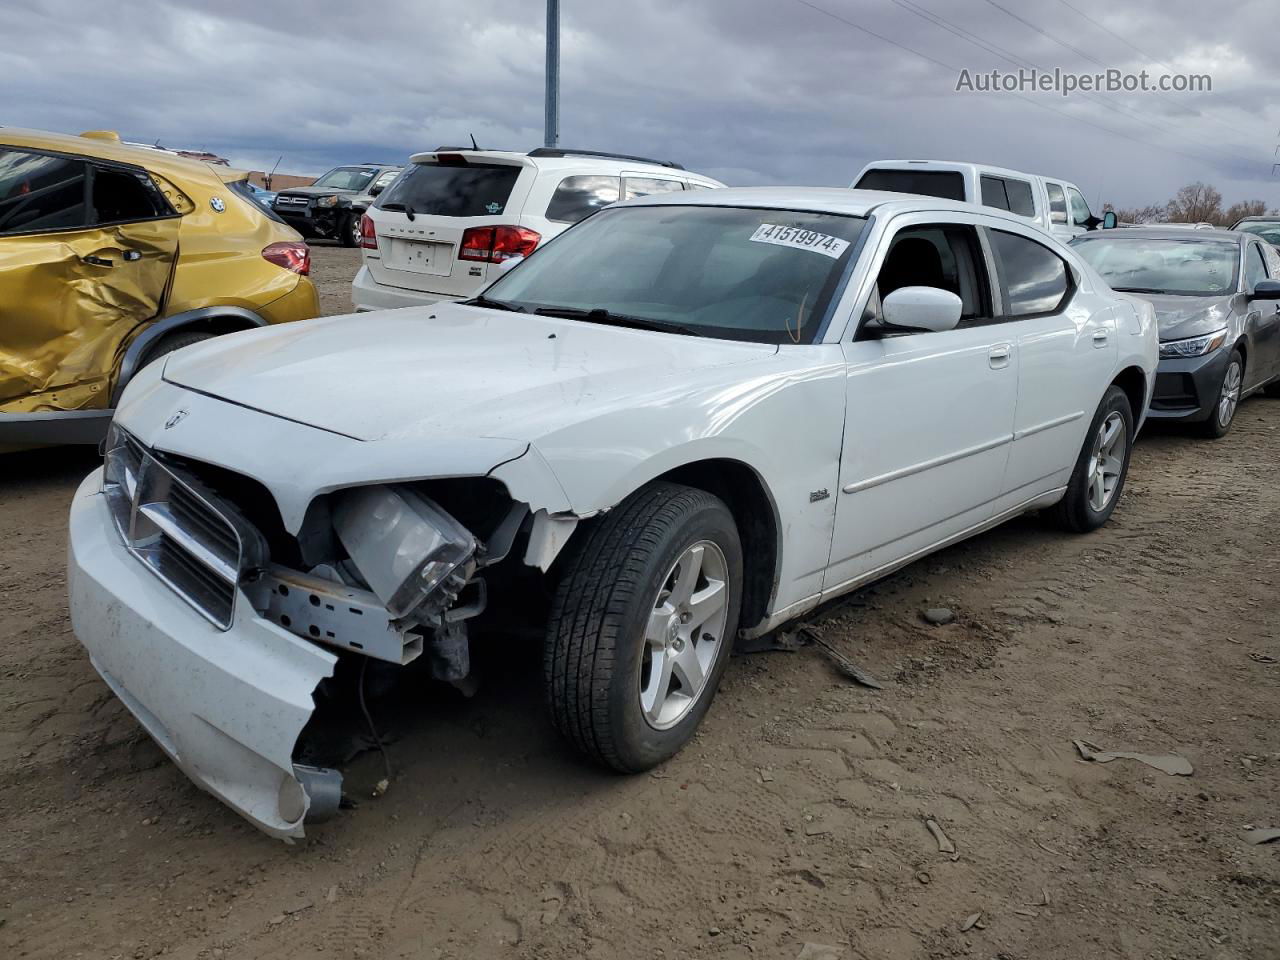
1193	346
327	202
413	555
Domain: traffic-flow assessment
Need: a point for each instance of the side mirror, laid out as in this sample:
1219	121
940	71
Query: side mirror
375	190
921	308
1109	220
1266	290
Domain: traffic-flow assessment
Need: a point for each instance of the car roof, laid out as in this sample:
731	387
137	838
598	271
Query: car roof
159	161
958	166
1169	233
569	161
838	200
1263	218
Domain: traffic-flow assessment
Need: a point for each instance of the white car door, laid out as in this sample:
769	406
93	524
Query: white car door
929	415
1066	343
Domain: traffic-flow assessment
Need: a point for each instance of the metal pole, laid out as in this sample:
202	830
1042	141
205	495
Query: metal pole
551	124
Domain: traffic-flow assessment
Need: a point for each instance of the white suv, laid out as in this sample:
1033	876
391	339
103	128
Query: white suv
455	213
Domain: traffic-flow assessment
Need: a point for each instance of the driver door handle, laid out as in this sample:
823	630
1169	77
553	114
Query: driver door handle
998	356
1099	338
95	261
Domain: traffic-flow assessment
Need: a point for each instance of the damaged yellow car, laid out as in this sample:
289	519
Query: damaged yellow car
114	255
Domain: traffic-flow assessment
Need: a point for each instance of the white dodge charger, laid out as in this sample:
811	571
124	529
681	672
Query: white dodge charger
689	418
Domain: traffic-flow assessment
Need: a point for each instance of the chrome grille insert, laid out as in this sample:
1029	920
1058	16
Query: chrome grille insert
180	530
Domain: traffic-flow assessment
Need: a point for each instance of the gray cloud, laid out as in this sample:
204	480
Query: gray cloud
750	91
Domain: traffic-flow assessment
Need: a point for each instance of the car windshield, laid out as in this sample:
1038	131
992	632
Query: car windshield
1191	268
730	272
347	178
1268	230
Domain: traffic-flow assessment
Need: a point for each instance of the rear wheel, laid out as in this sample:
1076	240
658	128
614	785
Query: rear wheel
1224	409
642	626
176	341
1098	479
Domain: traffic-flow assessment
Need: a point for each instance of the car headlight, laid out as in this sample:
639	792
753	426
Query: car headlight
406	548
327	202
1193	346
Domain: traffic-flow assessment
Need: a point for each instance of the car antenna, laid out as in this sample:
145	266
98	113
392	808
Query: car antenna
473	141
268	177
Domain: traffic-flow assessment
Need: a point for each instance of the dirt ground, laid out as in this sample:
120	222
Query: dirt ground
796	816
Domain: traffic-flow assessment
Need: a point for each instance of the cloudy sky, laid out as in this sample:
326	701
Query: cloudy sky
749	91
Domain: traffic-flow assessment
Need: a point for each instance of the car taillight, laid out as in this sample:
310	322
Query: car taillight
496	244
293	255
368	237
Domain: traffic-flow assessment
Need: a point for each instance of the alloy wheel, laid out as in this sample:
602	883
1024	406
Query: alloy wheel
684	635
1106	462
1229	399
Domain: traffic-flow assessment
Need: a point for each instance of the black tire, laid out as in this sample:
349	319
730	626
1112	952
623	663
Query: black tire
349	231
594	660
1074	511
176	341
1214	428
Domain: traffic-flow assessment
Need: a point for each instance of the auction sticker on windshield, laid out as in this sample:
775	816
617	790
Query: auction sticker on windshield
801	239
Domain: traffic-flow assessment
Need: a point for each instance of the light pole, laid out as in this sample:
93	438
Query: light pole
551	122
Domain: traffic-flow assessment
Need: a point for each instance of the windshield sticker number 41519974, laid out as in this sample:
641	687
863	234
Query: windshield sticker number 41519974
801	239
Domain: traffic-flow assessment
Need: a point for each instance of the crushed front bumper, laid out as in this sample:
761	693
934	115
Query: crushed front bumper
226	706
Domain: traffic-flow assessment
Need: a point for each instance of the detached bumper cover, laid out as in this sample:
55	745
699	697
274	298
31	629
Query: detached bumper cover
226	706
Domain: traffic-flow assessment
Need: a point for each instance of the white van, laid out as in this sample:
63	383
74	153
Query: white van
1056	205
443	228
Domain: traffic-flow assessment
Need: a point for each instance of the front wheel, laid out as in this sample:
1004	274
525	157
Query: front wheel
642	625
1098	478
1224	408
349	231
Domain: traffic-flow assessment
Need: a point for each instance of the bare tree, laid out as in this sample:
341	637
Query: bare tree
1245	208
1145	214
1194	203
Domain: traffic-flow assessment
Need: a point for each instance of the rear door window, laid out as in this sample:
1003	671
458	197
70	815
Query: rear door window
1034	278
645	186
944	184
994	194
123	195
1020	200
1057	203
576	198
448	190
39	192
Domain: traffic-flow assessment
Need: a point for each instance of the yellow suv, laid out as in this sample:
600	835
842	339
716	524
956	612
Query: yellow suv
113	255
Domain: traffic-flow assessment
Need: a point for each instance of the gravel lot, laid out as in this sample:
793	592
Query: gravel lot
796	816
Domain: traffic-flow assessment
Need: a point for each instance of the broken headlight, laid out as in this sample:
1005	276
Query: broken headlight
413	555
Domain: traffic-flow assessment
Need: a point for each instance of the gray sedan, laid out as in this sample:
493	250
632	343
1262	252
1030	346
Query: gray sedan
1217	300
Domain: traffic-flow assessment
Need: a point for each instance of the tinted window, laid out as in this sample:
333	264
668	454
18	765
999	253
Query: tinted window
644	186
1020	202
946	184
727	272
578	197
38	192
1255	269
382	181
1034	277
1057	203
120	196
1079	207
1191	268
467	190
993	193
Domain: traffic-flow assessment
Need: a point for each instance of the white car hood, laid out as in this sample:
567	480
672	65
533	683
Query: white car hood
446	371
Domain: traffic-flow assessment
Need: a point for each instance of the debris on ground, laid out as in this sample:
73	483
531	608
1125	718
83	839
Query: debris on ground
938	616
839	660
1169	763
944	842
971	921
1262	835
381	787
1263	659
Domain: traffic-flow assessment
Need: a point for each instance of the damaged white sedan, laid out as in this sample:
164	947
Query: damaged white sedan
688	418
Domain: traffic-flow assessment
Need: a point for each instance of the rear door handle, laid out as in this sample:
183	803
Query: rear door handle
96	261
1099	338
998	356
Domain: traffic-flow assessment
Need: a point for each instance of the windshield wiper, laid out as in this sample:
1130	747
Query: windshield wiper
1137	290
600	315
397	205
483	301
